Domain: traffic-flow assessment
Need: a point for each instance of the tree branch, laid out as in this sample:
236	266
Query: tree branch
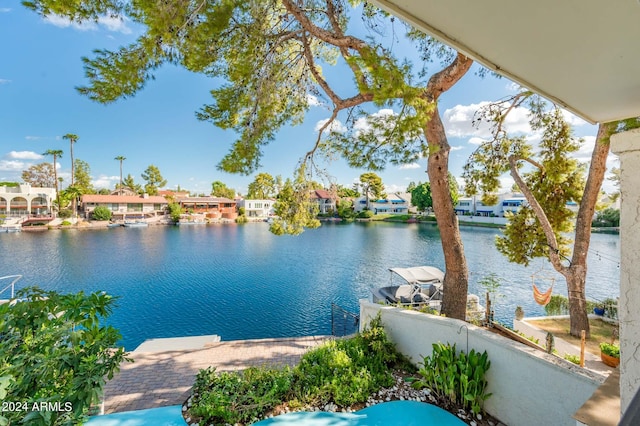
554	254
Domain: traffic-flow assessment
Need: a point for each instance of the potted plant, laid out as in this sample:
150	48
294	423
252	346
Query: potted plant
610	354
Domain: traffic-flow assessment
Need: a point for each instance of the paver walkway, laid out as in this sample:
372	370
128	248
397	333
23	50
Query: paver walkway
158	379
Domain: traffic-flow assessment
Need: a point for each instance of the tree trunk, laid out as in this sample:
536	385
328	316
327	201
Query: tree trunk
576	274
576	277
456	278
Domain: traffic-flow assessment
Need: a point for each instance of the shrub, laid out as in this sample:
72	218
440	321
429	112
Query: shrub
233	397
65	214
365	214
66	223
456	378
241	219
572	358
348	371
101	213
55	350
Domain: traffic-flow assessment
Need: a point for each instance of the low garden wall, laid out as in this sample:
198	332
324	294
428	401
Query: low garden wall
529	387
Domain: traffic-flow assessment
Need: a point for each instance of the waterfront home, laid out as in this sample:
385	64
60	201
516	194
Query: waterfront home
326	200
168	193
394	203
25	200
126	206
212	207
473	206
257	209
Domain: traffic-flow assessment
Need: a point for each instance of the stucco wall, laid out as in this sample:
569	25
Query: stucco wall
529	387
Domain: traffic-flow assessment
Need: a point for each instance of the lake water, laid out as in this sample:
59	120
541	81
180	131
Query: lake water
241	282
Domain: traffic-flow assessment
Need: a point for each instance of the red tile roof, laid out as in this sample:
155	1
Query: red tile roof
130	199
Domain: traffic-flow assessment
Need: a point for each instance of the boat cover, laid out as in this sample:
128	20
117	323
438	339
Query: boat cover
419	274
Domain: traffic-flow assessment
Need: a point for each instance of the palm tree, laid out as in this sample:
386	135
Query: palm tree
121	159
55	153
72	139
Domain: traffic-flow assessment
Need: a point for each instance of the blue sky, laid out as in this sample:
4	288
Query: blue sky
41	64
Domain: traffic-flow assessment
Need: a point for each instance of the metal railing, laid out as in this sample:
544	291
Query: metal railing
343	322
12	285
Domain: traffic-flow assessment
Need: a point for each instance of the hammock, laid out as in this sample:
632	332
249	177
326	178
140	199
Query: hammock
540	297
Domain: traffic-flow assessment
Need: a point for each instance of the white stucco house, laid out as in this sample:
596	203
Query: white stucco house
394	203
258	209
25	200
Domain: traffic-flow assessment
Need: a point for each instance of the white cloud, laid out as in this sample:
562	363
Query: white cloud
335	126
5	9
33	138
458	122
11	166
410	166
512	86
476	141
4	81
313	100
457	148
573	119
586	149
105	181
24	155
115	24
390	189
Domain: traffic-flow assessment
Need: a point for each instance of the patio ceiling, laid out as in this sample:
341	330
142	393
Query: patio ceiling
581	54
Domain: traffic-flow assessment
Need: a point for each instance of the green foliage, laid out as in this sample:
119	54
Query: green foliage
82	179
572	358
66	223
40	175
347	371
607	218
101	213
456	377
491	284
345	209
241	219
56	349
219	189
154	180
421	196
65	214
365	214
344	192
128	182
238	397
372	186
262	187
610	349
558	305
294	208
174	211
554	178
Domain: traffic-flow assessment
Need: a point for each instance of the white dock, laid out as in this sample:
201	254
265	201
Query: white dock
177	343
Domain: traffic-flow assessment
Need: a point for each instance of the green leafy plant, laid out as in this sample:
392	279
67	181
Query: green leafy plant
65	214
234	397
456	377
55	350
101	213
572	358
610	349
365	214
66	223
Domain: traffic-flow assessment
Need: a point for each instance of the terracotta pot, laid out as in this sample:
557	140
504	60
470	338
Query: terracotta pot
609	360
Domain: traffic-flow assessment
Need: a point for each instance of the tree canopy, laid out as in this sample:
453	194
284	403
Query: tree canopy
154	180
262	187
372	186
40	175
83	177
421	196
219	189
